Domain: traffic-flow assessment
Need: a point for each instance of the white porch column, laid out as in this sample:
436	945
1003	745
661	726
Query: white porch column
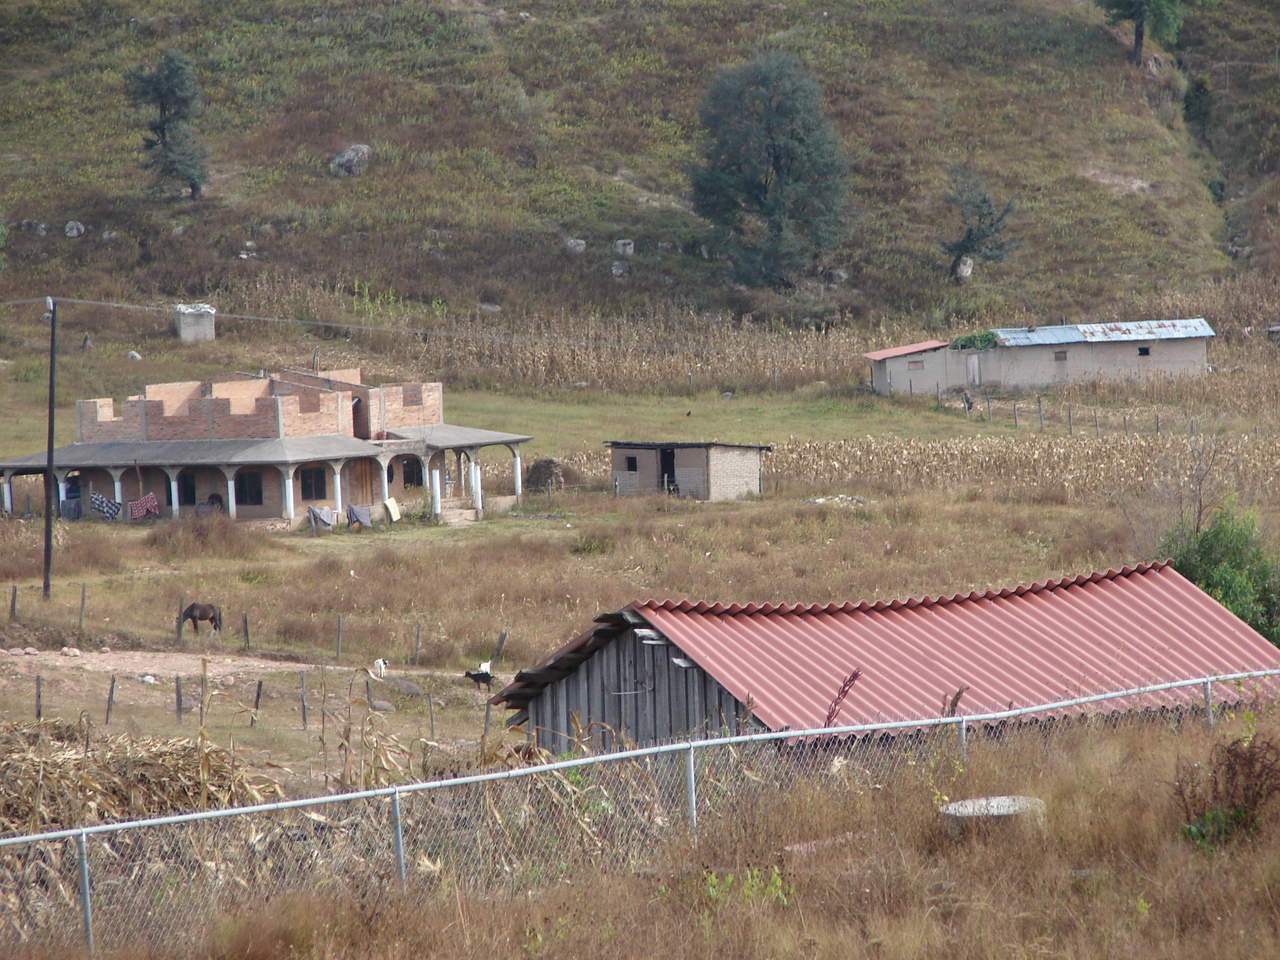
7	492
386	494
518	478
477	499
462	477
336	467
118	495
61	477
435	493
230	474
172	474
286	481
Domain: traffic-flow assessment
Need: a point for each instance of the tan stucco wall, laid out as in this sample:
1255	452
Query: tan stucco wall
646	477
1031	368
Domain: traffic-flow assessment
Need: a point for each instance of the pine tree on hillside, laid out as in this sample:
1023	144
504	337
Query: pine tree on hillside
173	152
772	177
1163	18
985	234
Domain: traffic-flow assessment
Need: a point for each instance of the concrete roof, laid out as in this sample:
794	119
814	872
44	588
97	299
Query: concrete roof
1103	332
174	453
447	436
659	444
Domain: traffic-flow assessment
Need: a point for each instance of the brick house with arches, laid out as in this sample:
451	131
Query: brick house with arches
269	445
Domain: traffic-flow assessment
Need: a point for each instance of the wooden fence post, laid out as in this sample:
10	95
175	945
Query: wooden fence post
337	645
111	700
302	696
13	604
204	685
1015	415
1095	421
84	590
177	696
177	634
988	398
257	702
1157	422
417	643
39	696
1069	420
1040	412
244	628
431	715
368	692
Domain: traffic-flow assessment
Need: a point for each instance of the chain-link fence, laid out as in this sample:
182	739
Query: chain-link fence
165	880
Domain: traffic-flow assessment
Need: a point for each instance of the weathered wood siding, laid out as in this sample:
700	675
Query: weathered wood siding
633	690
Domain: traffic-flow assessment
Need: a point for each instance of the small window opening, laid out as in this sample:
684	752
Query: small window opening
632	466
915	364
1144	351
1059	355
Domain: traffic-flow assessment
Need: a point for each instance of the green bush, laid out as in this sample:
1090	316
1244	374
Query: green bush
1228	560
982	340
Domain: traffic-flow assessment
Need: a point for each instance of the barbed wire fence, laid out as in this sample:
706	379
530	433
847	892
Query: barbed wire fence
167	879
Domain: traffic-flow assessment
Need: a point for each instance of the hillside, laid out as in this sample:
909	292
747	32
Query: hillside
497	133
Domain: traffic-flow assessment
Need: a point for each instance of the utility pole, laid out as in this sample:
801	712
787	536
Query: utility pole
50	484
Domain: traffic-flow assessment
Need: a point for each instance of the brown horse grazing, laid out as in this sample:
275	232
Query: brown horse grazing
196	612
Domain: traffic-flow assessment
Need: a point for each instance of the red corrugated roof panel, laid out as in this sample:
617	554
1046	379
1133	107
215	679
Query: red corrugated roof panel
921	347
1016	647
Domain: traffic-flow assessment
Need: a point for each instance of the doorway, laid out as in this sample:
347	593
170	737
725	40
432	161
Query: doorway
667	468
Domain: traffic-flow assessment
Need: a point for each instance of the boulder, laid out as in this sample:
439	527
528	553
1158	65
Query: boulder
838	276
490	308
624	248
619	269
351	162
30	651
70	651
406	688
16	651
964	269
382	706
134	355
575	245
73	229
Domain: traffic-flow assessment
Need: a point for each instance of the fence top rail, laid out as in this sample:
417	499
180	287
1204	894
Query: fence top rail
620	755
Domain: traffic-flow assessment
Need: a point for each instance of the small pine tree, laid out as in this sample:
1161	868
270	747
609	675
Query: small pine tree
1162	17
985	236
173	152
771	178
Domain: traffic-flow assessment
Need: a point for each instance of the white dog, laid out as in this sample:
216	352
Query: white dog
380	667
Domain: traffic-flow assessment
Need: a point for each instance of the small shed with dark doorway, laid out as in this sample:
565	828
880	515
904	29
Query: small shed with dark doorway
702	471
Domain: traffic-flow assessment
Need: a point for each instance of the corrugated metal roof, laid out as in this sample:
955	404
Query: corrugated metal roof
446	436
199	452
659	444
891	352
1103	332
1013	647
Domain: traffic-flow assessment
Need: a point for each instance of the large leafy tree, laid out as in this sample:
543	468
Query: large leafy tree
1227	559
173	151
1161	18
985	222
772	179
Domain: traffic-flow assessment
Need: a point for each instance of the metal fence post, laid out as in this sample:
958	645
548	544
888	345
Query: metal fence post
691	789
398	834
963	731
1208	702
86	910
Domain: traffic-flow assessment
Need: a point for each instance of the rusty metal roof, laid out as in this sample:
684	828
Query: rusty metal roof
1103	332
890	352
1014	647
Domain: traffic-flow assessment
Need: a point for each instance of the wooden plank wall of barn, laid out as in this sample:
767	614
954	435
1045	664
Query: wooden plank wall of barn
634	689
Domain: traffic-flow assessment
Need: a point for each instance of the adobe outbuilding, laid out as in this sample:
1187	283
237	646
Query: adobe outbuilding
702	471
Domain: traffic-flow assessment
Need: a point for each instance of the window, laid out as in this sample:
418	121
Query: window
1144	351
391	473
632	466
186	489
249	488
915	364
313	483
412	472
1060	355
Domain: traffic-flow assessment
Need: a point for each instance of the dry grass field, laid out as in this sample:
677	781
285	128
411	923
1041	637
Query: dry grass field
850	865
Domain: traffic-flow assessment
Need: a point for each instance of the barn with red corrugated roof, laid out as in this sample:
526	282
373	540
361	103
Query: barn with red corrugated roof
661	670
